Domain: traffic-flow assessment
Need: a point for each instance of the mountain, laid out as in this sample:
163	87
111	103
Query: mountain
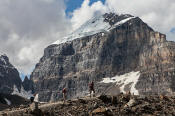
12	101
9	76
10	81
27	84
120	53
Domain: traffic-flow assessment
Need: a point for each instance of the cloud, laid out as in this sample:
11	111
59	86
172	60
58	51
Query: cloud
86	11
159	14
27	27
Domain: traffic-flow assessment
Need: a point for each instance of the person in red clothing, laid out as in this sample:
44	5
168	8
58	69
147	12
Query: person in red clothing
64	91
91	88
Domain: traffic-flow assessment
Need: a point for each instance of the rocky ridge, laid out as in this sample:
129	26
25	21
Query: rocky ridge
9	76
27	84
10	102
120	105
10	81
120	45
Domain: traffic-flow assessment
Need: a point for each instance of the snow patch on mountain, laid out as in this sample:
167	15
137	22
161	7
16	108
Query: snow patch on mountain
121	22
22	92
7	101
91	27
2	59
123	80
4	62
95	25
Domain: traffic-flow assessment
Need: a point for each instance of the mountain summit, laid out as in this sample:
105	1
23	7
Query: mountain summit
120	53
102	23
9	76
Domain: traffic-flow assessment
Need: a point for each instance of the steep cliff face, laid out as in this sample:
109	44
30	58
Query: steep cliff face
27	84
9	76
104	47
158	62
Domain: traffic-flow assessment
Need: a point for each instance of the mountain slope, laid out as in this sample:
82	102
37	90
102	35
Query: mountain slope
101	23
9	76
120	105
123	46
11	101
10	81
27	84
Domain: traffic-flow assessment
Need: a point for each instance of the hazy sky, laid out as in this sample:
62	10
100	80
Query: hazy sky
29	26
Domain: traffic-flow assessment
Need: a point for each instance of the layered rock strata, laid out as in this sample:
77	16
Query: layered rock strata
9	76
126	45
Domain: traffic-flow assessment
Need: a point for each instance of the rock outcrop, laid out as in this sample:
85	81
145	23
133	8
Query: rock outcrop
120	105
9	76
28	84
121	44
8	101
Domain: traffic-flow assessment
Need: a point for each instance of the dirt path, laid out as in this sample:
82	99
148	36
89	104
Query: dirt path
42	106
123	104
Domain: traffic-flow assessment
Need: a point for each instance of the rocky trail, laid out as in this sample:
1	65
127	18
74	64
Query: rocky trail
120	105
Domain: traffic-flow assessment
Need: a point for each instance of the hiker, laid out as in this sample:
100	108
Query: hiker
64	94
91	88
36	101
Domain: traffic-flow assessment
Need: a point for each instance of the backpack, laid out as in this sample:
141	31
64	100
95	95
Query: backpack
64	90
91	85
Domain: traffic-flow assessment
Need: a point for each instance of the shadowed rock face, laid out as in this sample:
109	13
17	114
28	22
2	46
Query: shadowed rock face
27	84
131	46
9	76
14	102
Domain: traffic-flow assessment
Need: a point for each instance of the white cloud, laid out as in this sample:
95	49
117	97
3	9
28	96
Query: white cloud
85	12
27	27
159	14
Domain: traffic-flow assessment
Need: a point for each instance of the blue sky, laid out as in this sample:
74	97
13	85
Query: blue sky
173	30
74	4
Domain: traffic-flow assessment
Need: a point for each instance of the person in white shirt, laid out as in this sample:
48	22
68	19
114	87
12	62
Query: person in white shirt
36	101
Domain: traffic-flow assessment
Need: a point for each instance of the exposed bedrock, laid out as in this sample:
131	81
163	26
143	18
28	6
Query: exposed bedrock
131	46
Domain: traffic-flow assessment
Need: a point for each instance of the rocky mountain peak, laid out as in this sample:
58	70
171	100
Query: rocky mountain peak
100	23
113	18
26	79
27	84
4	56
4	60
9	76
120	53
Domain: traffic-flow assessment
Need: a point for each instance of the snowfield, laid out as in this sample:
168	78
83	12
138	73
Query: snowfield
123	80
91	27
22	92
7	101
2	59
121	22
